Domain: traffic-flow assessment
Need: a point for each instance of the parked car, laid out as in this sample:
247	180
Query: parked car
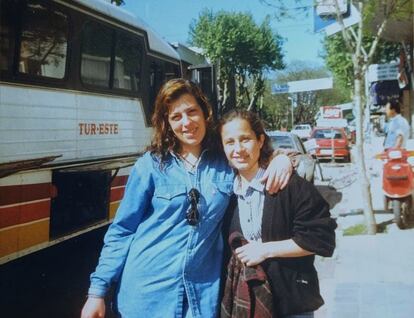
303	131
332	143
287	140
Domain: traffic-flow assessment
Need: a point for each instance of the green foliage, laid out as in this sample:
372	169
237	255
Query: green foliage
390	9
276	109
339	60
361	229
358	229
240	48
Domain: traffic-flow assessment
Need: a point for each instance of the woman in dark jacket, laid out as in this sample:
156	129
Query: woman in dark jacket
283	231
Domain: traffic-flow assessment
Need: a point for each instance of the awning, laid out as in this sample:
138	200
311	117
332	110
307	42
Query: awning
113	164
10	168
383	92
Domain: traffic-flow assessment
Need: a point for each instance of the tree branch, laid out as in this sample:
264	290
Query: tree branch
359	38
352	31
376	39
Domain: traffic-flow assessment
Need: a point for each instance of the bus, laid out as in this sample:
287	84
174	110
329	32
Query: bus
78	79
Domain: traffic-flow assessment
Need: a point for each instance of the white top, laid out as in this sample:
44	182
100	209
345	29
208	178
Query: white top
250	199
398	126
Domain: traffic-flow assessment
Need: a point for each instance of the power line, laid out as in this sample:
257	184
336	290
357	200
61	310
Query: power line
284	7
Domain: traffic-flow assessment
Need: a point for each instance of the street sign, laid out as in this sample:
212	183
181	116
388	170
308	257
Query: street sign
303	86
383	72
328	7
320	23
310	85
280	88
329	24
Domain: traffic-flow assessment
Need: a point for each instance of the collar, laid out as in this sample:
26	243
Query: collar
254	184
395	117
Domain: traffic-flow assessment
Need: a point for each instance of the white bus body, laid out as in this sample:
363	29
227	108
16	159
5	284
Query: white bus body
73	122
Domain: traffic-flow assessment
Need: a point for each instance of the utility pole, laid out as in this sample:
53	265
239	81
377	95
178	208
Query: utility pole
292	101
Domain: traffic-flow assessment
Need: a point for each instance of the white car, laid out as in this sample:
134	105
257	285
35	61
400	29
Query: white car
303	131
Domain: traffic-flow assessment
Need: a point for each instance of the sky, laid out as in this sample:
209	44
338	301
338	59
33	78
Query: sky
172	18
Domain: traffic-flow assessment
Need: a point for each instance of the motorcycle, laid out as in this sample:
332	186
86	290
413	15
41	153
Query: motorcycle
398	184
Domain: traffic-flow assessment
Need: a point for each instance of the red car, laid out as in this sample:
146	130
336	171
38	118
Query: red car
332	143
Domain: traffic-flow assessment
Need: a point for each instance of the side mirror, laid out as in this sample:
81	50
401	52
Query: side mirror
311	146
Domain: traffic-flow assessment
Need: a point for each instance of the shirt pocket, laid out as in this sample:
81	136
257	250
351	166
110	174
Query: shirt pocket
217	198
169	202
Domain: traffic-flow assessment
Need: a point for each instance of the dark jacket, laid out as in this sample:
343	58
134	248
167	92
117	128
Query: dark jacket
298	212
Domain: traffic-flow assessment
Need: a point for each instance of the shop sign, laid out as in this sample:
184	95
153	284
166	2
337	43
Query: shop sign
382	72
331	112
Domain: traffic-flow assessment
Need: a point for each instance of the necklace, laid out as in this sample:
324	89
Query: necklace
188	163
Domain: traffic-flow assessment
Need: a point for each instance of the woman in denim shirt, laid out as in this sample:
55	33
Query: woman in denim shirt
164	247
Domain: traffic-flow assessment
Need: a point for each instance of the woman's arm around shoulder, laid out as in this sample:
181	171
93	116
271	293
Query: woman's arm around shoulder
278	172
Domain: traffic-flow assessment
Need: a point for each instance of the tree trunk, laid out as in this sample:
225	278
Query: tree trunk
253	101
362	171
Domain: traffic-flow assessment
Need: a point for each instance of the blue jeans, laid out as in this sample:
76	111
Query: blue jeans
302	315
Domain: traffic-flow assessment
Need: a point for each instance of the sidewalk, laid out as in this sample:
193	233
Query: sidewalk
369	276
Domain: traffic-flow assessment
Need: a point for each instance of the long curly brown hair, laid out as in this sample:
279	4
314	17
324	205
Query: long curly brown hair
257	126
164	139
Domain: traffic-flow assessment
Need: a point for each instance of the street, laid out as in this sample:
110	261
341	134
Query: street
368	276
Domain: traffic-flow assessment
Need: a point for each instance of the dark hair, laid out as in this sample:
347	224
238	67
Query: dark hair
395	104
257	126
164	139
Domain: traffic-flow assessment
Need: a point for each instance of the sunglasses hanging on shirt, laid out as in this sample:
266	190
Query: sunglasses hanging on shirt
192	213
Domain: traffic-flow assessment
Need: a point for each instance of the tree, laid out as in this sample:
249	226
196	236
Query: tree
339	60
274	109
362	52
241	50
277	108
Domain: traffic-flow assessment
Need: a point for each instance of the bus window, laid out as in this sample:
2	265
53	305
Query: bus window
128	62
156	80
171	71
44	38
96	54
6	31
159	72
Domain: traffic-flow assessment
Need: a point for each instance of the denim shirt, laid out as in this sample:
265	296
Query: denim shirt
152	252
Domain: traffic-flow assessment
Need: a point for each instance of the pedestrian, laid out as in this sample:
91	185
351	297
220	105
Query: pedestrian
163	250
283	231
398	129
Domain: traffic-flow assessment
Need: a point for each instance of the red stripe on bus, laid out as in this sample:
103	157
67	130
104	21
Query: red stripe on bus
119	181
27	192
117	194
24	213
